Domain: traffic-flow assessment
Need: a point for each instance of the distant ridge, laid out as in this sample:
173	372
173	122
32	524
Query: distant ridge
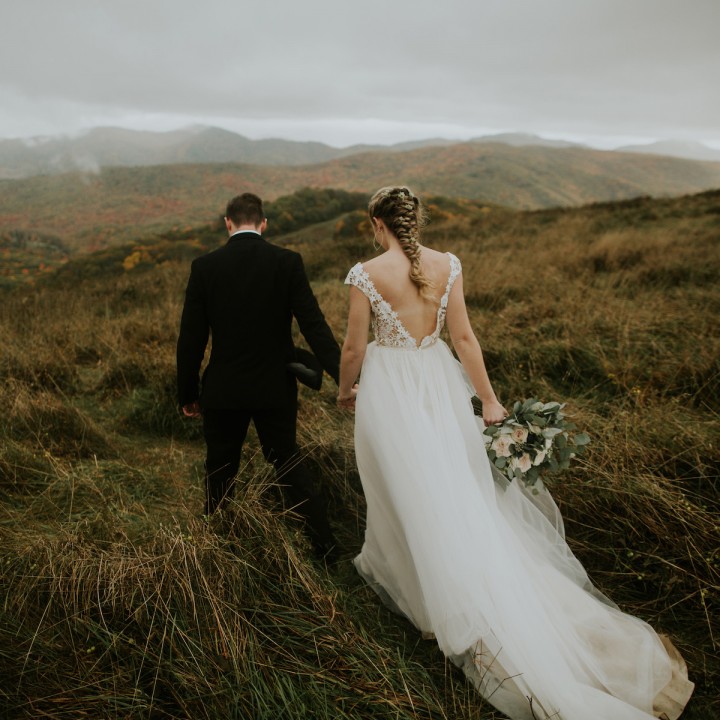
524	140
117	147
676	148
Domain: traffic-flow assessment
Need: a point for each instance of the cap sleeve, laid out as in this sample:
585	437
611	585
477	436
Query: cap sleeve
353	277
455	269
361	280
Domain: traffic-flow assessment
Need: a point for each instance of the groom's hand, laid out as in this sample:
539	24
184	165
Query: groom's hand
192	410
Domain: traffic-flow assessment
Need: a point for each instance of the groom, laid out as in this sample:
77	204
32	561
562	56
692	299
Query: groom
246	294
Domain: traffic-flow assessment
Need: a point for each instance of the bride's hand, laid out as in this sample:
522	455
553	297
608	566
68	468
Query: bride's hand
493	412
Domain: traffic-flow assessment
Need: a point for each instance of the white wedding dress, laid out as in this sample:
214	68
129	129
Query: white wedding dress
482	563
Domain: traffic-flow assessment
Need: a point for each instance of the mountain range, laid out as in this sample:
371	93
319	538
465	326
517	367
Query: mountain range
112	204
117	147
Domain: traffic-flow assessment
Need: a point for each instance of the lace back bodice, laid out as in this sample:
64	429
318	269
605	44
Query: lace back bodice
387	326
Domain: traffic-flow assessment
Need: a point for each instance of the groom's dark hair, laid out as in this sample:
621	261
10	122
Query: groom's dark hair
245	209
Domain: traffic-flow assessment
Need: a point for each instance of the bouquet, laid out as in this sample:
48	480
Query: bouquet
535	439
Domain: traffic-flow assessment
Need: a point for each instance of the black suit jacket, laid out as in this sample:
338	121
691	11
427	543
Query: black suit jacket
245	294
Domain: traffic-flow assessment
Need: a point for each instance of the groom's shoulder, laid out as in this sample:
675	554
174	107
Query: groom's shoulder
280	250
207	259
283	254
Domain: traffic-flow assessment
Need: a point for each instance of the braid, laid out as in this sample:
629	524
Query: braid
402	212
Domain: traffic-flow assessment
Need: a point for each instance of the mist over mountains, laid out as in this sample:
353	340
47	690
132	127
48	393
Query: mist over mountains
676	148
117	147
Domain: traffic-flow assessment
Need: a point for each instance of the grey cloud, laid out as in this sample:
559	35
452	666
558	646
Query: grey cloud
645	67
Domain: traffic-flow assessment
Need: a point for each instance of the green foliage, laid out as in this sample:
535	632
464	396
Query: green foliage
309	206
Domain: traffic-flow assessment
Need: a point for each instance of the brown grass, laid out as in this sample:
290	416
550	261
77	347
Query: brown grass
118	602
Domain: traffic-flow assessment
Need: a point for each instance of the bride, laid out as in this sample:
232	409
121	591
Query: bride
469	558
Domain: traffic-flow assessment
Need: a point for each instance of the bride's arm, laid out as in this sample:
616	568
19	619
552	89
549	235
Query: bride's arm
468	350
353	350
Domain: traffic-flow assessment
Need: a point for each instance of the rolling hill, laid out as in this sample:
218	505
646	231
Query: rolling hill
95	209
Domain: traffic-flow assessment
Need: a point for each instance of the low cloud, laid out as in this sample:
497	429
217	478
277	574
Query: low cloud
644	69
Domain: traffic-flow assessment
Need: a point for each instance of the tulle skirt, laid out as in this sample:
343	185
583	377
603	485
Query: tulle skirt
483	564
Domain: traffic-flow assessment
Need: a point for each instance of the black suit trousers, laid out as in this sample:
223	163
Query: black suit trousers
225	431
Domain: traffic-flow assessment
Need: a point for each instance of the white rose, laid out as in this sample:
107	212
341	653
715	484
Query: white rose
524	463
519	434
539	457
501	445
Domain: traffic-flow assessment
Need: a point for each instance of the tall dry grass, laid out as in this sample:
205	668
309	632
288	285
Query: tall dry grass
117	602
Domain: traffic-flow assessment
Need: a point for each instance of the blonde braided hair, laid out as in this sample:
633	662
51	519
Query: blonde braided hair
404	215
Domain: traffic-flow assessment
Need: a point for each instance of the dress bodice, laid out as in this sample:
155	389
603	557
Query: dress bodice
388	329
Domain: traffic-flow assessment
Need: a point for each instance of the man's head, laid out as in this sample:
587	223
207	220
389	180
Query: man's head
245	212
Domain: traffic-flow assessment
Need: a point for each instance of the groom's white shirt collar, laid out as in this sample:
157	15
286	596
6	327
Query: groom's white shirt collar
238	232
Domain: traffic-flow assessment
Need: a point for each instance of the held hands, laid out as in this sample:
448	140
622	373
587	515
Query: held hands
493	412
347	402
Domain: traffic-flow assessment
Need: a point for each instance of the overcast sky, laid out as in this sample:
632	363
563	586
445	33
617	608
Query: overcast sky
606	72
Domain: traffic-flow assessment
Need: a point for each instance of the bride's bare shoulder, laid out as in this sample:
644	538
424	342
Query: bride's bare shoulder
372	262
387	262
433	255
435	260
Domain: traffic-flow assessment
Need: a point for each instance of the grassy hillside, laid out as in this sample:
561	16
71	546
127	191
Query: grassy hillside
89	211
116	601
